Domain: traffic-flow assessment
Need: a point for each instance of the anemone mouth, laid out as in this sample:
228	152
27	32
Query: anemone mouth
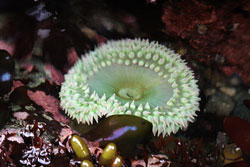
131	83
131	92
134	77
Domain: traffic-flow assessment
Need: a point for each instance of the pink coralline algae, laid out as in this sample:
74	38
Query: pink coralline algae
72	56
212	29
49	103
6	46
55	74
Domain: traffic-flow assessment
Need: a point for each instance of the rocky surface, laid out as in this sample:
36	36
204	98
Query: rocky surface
45	39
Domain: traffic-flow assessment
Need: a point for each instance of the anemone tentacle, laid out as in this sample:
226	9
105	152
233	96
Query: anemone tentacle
134	77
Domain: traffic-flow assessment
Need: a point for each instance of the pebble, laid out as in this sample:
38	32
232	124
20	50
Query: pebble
219	58
235	80
214	77
220	104
210	91
230	91
202	29
221	139
241	109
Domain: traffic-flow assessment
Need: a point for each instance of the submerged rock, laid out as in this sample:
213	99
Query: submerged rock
4	114
220	104
7	66
125	131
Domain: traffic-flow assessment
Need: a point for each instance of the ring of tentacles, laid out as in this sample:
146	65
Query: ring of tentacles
133	77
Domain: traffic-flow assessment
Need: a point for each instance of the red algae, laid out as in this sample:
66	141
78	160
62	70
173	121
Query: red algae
247	103
31	149
186	153
208	29
72	56
237	164
238	131
186	16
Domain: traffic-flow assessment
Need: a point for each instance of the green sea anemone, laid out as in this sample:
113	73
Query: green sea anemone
132	77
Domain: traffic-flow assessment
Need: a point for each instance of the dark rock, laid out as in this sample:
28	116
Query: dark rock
6	81
19	96
4	114
6	61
